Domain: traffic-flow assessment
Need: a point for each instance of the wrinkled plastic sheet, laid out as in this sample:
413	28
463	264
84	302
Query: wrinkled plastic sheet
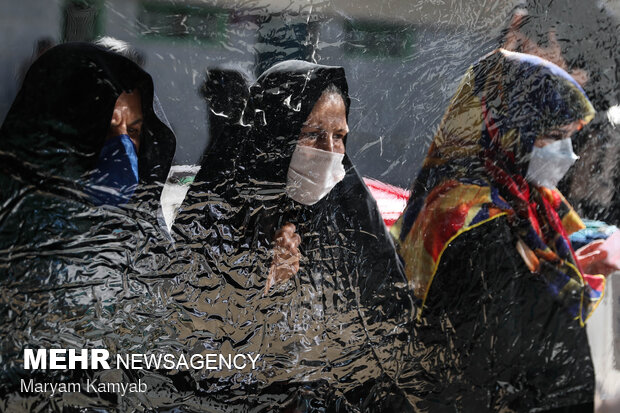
128	280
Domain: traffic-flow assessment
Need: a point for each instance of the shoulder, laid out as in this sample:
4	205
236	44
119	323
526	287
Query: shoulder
487	248
481	272
491	235
483	252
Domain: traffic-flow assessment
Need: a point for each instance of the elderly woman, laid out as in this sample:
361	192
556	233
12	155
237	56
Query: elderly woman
503	297
329	278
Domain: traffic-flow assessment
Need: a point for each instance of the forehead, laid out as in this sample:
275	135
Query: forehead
329	109
568	128
132	98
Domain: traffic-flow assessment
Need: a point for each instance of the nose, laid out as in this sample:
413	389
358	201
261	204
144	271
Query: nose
326	143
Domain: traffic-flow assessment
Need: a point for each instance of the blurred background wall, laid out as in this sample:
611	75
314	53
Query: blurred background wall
403	59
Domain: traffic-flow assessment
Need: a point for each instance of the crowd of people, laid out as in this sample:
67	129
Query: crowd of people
475	300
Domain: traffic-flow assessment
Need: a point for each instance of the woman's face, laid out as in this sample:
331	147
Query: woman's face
559	133
326	126
127	117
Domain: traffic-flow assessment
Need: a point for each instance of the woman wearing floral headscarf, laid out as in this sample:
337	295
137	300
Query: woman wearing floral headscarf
503	296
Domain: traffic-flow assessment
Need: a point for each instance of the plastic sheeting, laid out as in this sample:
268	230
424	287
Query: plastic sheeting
189	280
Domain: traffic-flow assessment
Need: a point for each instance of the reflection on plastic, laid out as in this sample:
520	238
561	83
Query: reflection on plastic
339	335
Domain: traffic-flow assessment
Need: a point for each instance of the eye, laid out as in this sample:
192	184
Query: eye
309	136
555	136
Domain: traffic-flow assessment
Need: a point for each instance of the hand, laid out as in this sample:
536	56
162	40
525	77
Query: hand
286	256
592	259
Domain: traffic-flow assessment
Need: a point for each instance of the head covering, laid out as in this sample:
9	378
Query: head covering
474	172
281	100
58	122
226	92
212	199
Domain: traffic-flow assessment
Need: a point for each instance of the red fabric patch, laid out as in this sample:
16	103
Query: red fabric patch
596	283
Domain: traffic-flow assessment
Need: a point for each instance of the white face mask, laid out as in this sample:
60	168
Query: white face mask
550	163
312	173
